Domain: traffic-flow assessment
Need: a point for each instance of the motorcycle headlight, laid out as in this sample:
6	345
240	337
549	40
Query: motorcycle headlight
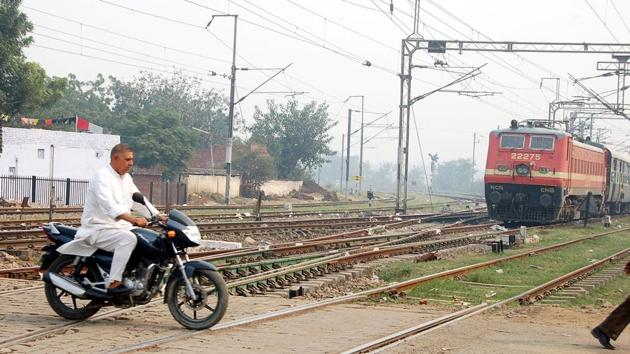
193	234
522	170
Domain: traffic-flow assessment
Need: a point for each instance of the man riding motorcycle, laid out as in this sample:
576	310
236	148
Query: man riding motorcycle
107	220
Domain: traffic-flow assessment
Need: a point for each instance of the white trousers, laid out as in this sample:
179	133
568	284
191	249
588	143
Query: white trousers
121	242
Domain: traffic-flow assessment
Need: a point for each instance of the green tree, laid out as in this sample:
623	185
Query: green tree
180	94
297	139
88	99
24	86
456	176
158	138
255	166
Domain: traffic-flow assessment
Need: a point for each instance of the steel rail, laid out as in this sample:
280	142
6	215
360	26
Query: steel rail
527	297
358	296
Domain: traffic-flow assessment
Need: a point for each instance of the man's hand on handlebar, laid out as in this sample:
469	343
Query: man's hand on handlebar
163	217
140	222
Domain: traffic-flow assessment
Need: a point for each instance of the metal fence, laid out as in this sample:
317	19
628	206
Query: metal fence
37	189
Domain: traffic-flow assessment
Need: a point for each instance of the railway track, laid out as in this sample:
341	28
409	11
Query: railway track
247	281
527	297
33	239
171	335
329	242
394	338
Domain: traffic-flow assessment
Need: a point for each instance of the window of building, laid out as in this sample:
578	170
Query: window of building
541	142
40	153
512	141
12	171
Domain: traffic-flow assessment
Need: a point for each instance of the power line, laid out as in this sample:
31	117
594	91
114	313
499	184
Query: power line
162	46
620	17
351	57
345	27
182	67
122	63
601	20
459	61
507	65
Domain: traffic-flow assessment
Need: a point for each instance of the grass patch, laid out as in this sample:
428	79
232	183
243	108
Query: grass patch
530	271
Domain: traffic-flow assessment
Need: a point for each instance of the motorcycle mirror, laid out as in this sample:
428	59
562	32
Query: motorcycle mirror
138	198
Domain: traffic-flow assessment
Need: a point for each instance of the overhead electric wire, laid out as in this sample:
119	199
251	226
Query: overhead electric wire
297	28
451	14
123	63
385	45
162	46
602	21
612	2
359	5
182	67
499	60
351	57
534	108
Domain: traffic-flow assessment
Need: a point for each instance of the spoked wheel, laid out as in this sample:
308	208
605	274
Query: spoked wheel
63	303
210	305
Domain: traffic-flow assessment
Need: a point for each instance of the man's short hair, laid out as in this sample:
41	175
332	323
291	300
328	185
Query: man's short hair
120	148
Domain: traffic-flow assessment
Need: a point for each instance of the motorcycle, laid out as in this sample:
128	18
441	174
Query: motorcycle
195	291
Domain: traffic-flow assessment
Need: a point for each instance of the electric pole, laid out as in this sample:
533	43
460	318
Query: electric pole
361	141
228	144
343	141
348	149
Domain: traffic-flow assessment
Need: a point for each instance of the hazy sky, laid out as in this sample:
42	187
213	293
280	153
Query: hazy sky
327	41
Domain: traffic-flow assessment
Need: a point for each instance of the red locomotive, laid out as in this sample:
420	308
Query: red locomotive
541	175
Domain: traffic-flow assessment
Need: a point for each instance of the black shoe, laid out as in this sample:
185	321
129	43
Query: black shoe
603	338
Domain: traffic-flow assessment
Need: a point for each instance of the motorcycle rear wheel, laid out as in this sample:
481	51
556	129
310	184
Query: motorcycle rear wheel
211	303
63	303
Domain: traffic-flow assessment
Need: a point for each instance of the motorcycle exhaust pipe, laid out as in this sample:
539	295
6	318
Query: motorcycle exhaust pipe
64	283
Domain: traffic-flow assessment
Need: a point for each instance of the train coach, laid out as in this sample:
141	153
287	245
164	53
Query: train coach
542	175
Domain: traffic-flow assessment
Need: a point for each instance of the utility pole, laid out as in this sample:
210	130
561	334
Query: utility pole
343	141
348	149
228	144
361	141
472	175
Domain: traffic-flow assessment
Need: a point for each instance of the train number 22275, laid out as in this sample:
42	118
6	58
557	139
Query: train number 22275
524	156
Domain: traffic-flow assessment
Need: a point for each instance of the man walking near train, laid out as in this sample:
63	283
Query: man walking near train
615	323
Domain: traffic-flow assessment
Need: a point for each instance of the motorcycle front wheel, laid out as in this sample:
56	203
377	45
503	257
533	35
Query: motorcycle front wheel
210	305
63	303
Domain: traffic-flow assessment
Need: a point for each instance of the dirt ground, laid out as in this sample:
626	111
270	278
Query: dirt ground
534	329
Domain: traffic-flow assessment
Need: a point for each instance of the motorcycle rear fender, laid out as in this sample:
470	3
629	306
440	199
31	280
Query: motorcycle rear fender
190	268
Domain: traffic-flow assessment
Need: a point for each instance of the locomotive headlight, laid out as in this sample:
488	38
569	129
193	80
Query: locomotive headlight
495	197
546	200
502	168
543	170
522	170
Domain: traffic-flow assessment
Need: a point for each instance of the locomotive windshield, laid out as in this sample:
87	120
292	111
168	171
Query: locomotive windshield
541	143
512	141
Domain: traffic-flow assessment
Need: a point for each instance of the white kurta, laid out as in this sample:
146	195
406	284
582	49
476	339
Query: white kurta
109	196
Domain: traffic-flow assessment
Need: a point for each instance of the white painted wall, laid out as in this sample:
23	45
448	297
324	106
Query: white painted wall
212	184
280	188
77	155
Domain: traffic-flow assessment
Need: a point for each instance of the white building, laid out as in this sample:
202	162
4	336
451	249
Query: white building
28	152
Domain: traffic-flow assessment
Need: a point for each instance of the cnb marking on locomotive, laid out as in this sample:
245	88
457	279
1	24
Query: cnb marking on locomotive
547	189
496	188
